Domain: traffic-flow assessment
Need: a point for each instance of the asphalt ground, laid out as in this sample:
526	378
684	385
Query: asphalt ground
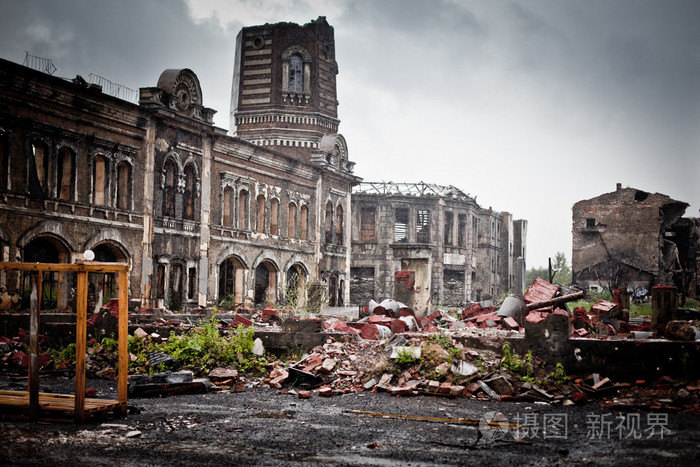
270	427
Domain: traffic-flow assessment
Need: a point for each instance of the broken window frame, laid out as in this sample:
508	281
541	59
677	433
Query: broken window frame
422	226
295	81
401	225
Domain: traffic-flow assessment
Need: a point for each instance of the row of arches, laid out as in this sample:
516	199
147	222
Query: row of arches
259	286
52	173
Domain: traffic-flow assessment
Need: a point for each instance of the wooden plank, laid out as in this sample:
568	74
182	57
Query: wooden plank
33	380
80	347
87	266
123	335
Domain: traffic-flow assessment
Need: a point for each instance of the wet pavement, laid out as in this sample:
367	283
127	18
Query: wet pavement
268	427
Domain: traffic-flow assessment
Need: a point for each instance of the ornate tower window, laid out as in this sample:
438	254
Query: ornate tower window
296	74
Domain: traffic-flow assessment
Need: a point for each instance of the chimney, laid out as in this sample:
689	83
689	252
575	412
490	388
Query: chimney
619	186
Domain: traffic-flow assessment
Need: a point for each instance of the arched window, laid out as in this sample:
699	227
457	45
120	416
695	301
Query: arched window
329	223
40	153
304	222
170	188
339	225
243	210
296	74
99	178
123	185
190	188
274	216
227	220
66	174
292	221
260	225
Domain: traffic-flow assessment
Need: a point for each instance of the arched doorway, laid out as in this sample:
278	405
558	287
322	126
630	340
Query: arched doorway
231	280
295	292
55	286
265	284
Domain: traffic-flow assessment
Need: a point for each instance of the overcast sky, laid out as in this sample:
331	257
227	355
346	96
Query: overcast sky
530	106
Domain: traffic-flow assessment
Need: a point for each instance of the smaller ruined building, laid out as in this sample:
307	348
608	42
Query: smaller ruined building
429	245
635	239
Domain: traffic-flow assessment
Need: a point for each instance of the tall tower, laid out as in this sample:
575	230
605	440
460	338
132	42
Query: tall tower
284	86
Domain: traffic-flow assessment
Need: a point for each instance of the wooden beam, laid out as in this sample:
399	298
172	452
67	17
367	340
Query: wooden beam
123	335
33	381
80	347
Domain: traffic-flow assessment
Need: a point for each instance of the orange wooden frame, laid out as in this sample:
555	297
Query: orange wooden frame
82	269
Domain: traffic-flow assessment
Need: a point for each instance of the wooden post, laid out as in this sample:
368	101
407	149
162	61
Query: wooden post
123	335
80	347
33	381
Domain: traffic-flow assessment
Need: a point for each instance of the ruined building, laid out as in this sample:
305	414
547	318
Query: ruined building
200	215
428	245
635	239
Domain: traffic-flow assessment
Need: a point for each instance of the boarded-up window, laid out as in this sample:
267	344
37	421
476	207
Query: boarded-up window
123	185
243	210
401	225
462	231
304	222
190	192
292	220
339	225
449	220
274	216
228	207
367	225
160	285
99	180
423	226
66	178
260	224
169	189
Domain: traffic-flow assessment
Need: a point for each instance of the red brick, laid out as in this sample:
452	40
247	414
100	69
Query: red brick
304	394
370	332
401	390
379	319
325	391
445	387
511	323
406	312
398	326
241	320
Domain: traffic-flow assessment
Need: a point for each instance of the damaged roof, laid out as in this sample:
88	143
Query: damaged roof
410	189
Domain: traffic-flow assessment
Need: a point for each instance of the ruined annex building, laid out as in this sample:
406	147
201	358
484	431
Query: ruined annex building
635	239
429	245
200	215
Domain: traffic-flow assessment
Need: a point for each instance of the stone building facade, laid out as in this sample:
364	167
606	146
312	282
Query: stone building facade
200	215
635	239
429	245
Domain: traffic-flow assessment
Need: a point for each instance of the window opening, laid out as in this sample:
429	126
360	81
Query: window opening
66	179
100	180
123	185
449	219
400	225
367	225
296	75
423	226
292	220
274	216
304	213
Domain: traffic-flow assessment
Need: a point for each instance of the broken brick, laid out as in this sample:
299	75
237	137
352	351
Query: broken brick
511	323
325	391
445	387
240	320
401	390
